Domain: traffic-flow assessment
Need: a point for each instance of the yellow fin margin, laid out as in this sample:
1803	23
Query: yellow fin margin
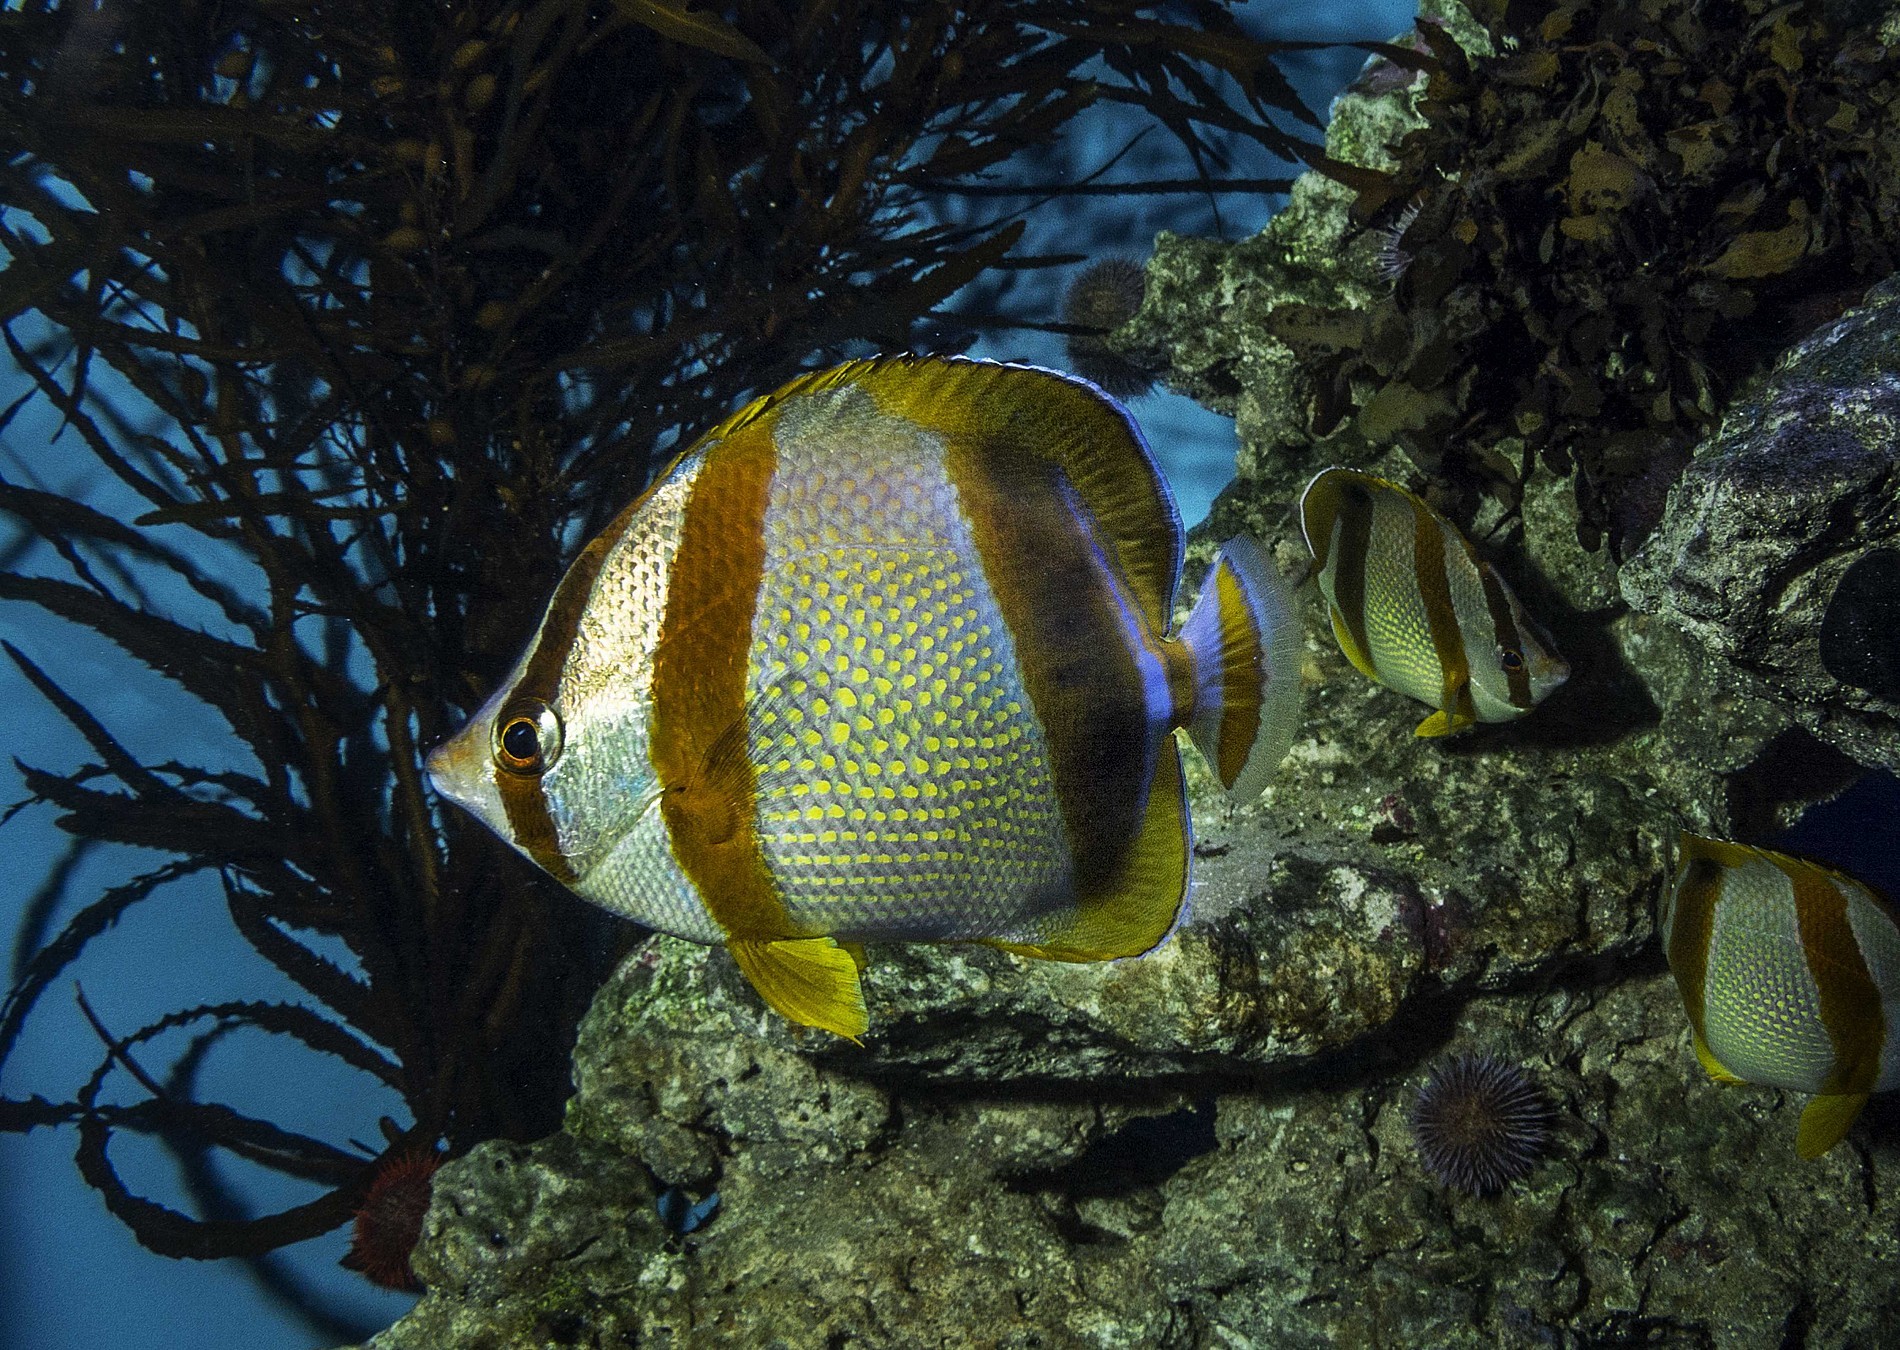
1150	894
811	981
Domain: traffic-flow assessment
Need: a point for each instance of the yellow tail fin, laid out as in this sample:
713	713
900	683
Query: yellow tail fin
1243	641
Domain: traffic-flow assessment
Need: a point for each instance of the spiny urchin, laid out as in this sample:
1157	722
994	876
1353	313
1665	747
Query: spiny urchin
390	1220
1480	1123
1104	297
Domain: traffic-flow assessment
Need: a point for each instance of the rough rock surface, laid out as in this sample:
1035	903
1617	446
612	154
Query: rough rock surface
1801	482
1209	1147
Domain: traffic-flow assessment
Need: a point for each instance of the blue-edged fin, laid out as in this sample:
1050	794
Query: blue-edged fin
1148	897
1825	1122
1243	643
812	981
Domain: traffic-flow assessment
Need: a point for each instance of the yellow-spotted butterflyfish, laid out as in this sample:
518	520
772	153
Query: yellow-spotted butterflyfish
1415	609
1790	973
887	655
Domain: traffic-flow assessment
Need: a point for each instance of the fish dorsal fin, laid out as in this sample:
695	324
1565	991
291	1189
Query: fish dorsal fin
1825	1122
811	981
1139	910
1017	411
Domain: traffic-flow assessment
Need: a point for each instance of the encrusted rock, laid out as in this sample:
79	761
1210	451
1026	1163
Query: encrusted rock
1800	484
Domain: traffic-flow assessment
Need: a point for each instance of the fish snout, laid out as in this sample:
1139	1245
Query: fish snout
456	769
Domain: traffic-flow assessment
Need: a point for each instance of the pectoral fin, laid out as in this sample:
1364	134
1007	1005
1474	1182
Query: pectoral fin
1825	1122
1711	1065
812	981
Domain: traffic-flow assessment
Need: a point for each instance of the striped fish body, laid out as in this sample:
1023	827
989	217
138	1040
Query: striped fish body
1790	973
1415	609
886	655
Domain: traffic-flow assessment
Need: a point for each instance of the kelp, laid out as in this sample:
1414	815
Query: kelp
1600	231
377	310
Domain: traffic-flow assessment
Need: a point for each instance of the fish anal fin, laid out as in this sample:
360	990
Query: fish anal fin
1139	908
1361	660
1711	1065
811	981
855	950
1825	1122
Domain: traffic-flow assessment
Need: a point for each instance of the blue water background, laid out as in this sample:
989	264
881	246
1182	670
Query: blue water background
73	1275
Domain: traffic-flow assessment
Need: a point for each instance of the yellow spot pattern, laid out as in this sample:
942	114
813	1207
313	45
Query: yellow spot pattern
903	784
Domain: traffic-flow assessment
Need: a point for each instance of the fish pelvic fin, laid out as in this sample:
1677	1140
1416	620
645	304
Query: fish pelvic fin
1825	1122
1141	906
1447	720
811	981
1711	1065
1243	647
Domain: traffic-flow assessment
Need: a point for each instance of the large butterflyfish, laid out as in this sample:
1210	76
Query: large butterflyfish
889	654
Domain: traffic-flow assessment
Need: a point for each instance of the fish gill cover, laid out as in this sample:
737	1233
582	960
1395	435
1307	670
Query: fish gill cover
371	313
1597	232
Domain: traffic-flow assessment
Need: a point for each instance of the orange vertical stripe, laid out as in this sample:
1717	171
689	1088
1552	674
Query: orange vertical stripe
1692	924
1850	1002
699	735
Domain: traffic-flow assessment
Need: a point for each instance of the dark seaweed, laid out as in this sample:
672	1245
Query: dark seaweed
377	310
1599	232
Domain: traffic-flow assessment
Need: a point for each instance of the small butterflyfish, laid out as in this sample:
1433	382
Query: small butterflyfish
888	654
1790	973
1417	610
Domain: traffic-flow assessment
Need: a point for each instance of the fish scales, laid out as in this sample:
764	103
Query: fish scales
886	655
905	786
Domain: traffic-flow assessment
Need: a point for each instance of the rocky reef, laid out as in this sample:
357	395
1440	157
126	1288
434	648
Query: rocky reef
1776	548
1210	1146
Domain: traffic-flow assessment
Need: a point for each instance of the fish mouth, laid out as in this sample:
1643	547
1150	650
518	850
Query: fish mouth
453	771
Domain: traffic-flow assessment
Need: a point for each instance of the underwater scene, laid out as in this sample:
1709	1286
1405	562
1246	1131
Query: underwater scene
1021	673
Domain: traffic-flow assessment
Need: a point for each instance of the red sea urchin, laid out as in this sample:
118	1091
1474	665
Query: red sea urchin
390	1219
1480	1123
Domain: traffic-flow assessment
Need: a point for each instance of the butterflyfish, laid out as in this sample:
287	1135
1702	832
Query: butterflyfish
887	655
1790	973
1415	609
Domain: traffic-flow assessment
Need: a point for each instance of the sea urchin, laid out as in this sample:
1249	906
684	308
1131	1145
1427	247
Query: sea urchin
1104	297
390	1220
1480	1123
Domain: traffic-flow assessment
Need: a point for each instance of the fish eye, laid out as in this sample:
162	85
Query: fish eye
528	738
1511	659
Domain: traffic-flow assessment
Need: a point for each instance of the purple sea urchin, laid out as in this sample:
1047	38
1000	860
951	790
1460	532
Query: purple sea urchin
1105	296
1480	1123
